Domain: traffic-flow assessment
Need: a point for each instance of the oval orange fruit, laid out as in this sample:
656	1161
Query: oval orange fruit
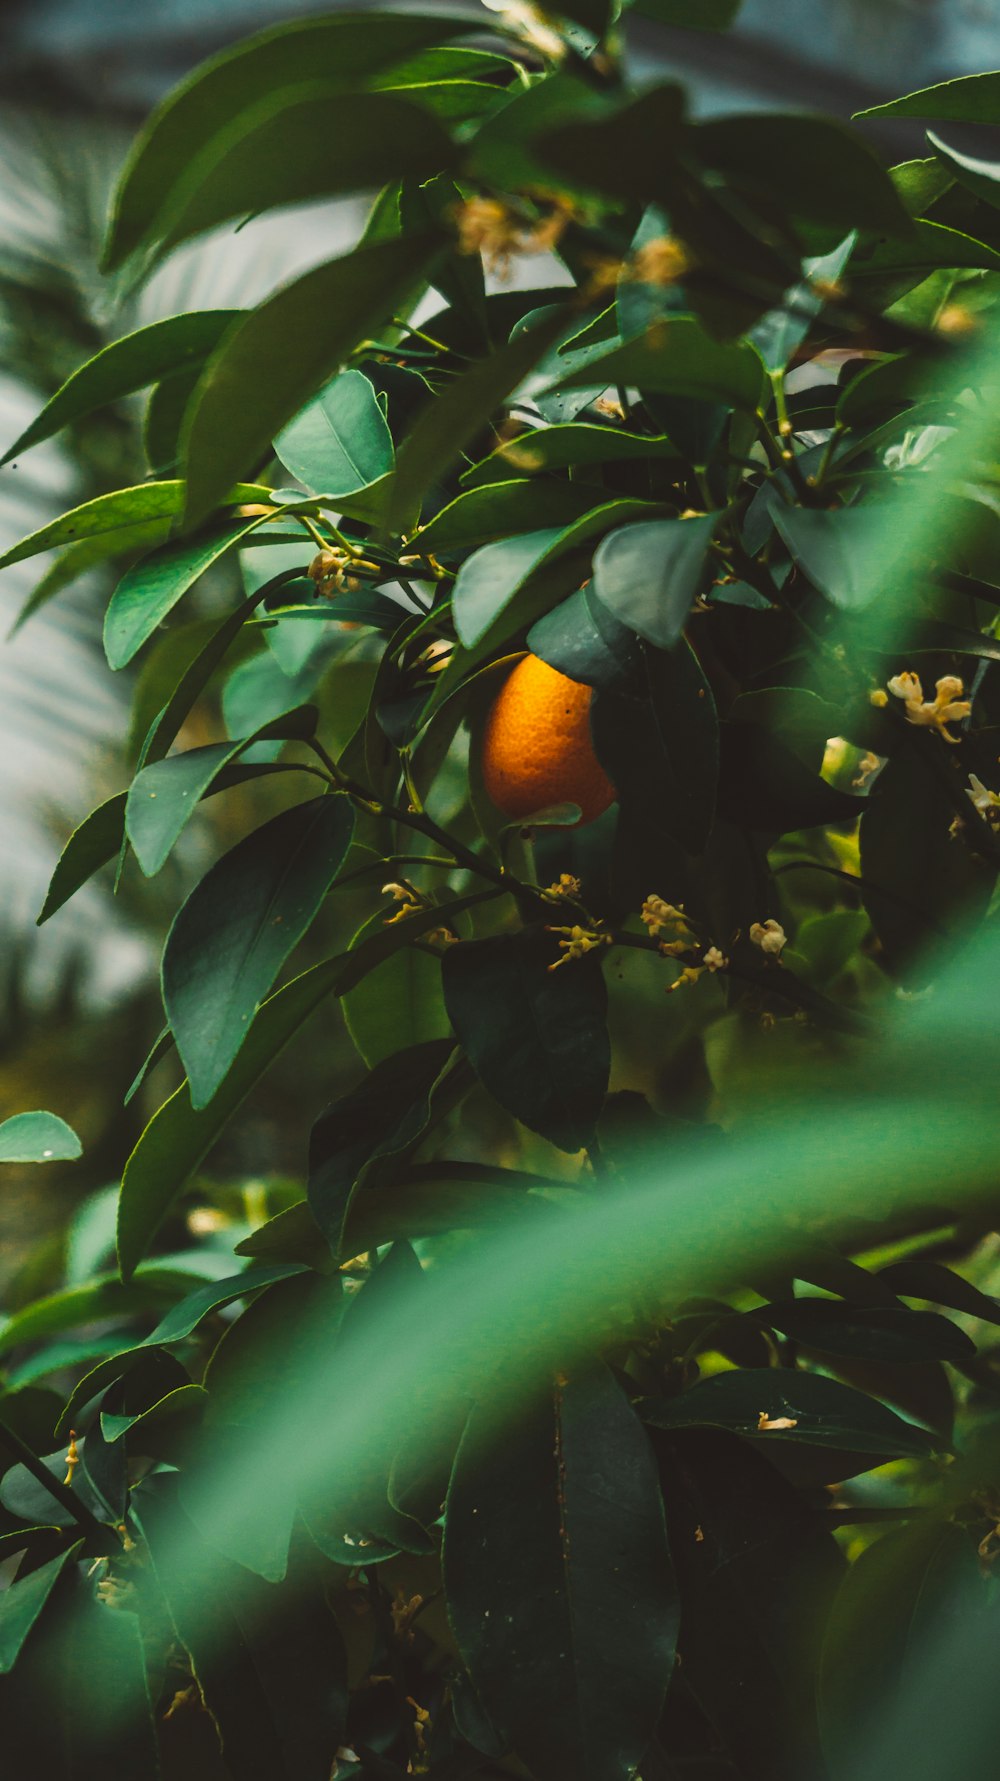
536	745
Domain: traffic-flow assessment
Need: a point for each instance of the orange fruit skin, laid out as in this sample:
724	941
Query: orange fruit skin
536	745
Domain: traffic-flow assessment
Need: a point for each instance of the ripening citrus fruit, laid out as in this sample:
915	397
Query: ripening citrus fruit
536	745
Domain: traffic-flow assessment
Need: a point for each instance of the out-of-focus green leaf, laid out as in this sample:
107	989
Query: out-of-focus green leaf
814	167
125	366
561	1509
344	50
483	515
120	511
22	1602
38	1138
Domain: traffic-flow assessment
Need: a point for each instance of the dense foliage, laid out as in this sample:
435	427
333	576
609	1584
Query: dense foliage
716	468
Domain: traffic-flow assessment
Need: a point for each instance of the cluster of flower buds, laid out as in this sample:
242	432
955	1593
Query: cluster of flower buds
577	941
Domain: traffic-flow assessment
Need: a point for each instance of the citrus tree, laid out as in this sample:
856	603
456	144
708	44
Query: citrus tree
611	662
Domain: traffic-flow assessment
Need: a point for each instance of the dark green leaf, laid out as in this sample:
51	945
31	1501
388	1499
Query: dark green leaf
822	1412
343	50
150	590
340	442
38	1138
630	153
573	445
290	1236
284	351
127	365
882	1332
779	334
657	738
178	1135
91	846
973	99
23	1601
120	511
238	926
582	639
928	246
756	1572
503	586
842	552
100	1300
381	1119
940	1286
163	796
301	143
494	511
979	177
677	358
815	167
649	575
764	785
537	1038
920	888
558	1579
270	1664
447	424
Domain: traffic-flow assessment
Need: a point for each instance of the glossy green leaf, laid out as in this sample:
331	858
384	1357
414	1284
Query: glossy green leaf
295	342
571	445
38	1138
536	1038
484	515
842	551
972	99
977	176
677	358
503	587
120	511
340	443
150	590
382	1119
164	795
344	50
125	366
582	639
238	926
649	575
818	1411
657	738
91	846
22	1602
448	424
815	167
558	1579
399	1003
